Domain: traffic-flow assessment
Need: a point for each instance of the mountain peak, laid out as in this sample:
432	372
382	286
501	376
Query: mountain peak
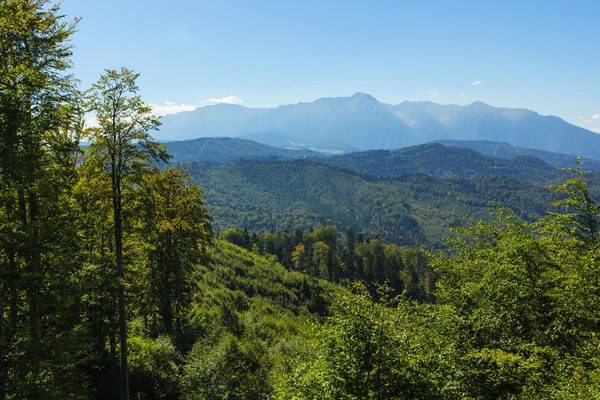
362	96
363	99
480	105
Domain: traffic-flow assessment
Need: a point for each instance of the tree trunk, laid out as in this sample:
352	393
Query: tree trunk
120	271
3	344
167	311
14	309
33	266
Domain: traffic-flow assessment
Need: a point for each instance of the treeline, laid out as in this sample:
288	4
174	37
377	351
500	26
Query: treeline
327	254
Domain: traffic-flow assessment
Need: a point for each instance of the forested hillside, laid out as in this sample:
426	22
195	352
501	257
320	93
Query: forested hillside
447	162
226	150
499	149
408	209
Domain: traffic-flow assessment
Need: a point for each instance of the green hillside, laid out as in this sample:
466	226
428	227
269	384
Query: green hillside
407	209
247	312
500	149
226	150
447	162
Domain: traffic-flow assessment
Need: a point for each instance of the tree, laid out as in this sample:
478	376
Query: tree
298	257
572	239
39	110
122	147
362	352
176	227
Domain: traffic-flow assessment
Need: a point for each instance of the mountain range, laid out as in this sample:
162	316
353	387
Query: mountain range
414	194
360	122
450	158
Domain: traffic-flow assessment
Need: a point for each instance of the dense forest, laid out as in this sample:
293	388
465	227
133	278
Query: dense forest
501	149
325	253
407	209
114	285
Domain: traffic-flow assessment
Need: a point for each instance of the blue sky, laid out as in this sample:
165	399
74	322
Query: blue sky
544	56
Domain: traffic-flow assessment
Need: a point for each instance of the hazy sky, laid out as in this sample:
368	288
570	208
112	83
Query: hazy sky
541	55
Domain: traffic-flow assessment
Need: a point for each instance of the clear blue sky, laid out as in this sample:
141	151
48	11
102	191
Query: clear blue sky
541	55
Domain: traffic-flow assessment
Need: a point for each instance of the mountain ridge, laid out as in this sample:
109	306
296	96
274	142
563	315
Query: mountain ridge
227	150
361	121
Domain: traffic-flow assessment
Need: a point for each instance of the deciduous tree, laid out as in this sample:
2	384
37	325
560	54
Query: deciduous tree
122	147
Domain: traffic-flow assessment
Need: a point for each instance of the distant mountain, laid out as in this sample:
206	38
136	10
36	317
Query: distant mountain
501	149
518	127
362	122
209	121
227	150
359	121
443	161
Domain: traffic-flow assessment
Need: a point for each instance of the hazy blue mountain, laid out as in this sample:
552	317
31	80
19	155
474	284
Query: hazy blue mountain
343	124
359	121
502	149
426	125
208	121
226	150
517	127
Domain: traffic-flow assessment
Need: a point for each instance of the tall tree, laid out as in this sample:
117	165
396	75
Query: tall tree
123	148
38	110
175	225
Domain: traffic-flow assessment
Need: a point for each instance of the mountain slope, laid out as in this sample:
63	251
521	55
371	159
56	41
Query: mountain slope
407	209
436	159
208	121
226	150
501	149
359	121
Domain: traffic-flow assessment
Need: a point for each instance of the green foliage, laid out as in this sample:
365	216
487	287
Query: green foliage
409	209
155	368
227	368
361	353
225	150
174	224
438	160
39	132
518	299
